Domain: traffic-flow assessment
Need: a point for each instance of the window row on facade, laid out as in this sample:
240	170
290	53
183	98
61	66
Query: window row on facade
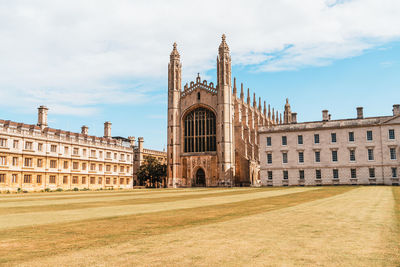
54	164
334	155
82	180
76	151
333	138
351	173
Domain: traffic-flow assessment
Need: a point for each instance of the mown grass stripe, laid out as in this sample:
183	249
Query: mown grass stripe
345	230
51	206
20	244
115	197
57	194
38	218
89	194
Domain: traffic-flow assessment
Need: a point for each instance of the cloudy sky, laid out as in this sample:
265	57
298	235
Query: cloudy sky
92	61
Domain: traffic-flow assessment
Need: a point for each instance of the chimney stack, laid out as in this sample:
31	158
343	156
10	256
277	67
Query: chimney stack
396	110
360	113
84	130
140	143
107	129
325	115
140	147
132	140
42	117
294	117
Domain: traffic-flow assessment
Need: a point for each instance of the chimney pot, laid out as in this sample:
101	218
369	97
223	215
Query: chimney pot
396	110
42	117
132	140
85	130
294	117
360	113
325	115
140	143
107	129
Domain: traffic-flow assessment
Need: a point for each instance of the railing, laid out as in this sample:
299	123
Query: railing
154	152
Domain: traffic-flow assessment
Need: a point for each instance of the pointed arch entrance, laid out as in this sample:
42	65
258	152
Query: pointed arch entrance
199	178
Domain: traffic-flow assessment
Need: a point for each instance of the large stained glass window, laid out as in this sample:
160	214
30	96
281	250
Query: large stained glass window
199	134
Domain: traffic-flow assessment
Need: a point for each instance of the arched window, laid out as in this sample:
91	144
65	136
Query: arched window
199	132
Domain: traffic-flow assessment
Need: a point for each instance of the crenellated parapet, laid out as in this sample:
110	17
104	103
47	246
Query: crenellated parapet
209	87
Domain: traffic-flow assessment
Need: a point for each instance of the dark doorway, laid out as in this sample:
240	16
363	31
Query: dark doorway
200	179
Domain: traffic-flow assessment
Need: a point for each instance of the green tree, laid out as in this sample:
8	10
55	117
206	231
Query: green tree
151	173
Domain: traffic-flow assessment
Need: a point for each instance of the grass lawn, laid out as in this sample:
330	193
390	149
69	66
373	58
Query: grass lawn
299	226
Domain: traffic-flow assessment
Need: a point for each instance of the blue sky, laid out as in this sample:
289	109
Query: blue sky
371	80
93	62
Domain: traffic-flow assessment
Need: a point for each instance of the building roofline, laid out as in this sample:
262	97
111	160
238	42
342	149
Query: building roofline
322	125
7	123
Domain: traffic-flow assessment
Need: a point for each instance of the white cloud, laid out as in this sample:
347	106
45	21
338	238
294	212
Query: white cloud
74	54
387	64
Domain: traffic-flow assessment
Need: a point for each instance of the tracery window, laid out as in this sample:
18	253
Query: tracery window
199	131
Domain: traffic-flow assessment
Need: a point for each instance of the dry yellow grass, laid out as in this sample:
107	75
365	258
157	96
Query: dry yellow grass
110	201
48	217
330	226
29	202
90	194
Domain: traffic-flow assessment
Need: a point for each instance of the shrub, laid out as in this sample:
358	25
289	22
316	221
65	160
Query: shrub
59	190
76	189
19	190
47	190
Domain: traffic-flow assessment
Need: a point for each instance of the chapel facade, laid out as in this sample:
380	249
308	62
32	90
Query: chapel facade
212	133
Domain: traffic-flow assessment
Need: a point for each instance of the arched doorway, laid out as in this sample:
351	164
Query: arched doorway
200	178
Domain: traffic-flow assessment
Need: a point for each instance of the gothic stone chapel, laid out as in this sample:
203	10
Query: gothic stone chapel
212	133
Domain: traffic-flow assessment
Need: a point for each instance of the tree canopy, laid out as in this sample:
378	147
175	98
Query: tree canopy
151	172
